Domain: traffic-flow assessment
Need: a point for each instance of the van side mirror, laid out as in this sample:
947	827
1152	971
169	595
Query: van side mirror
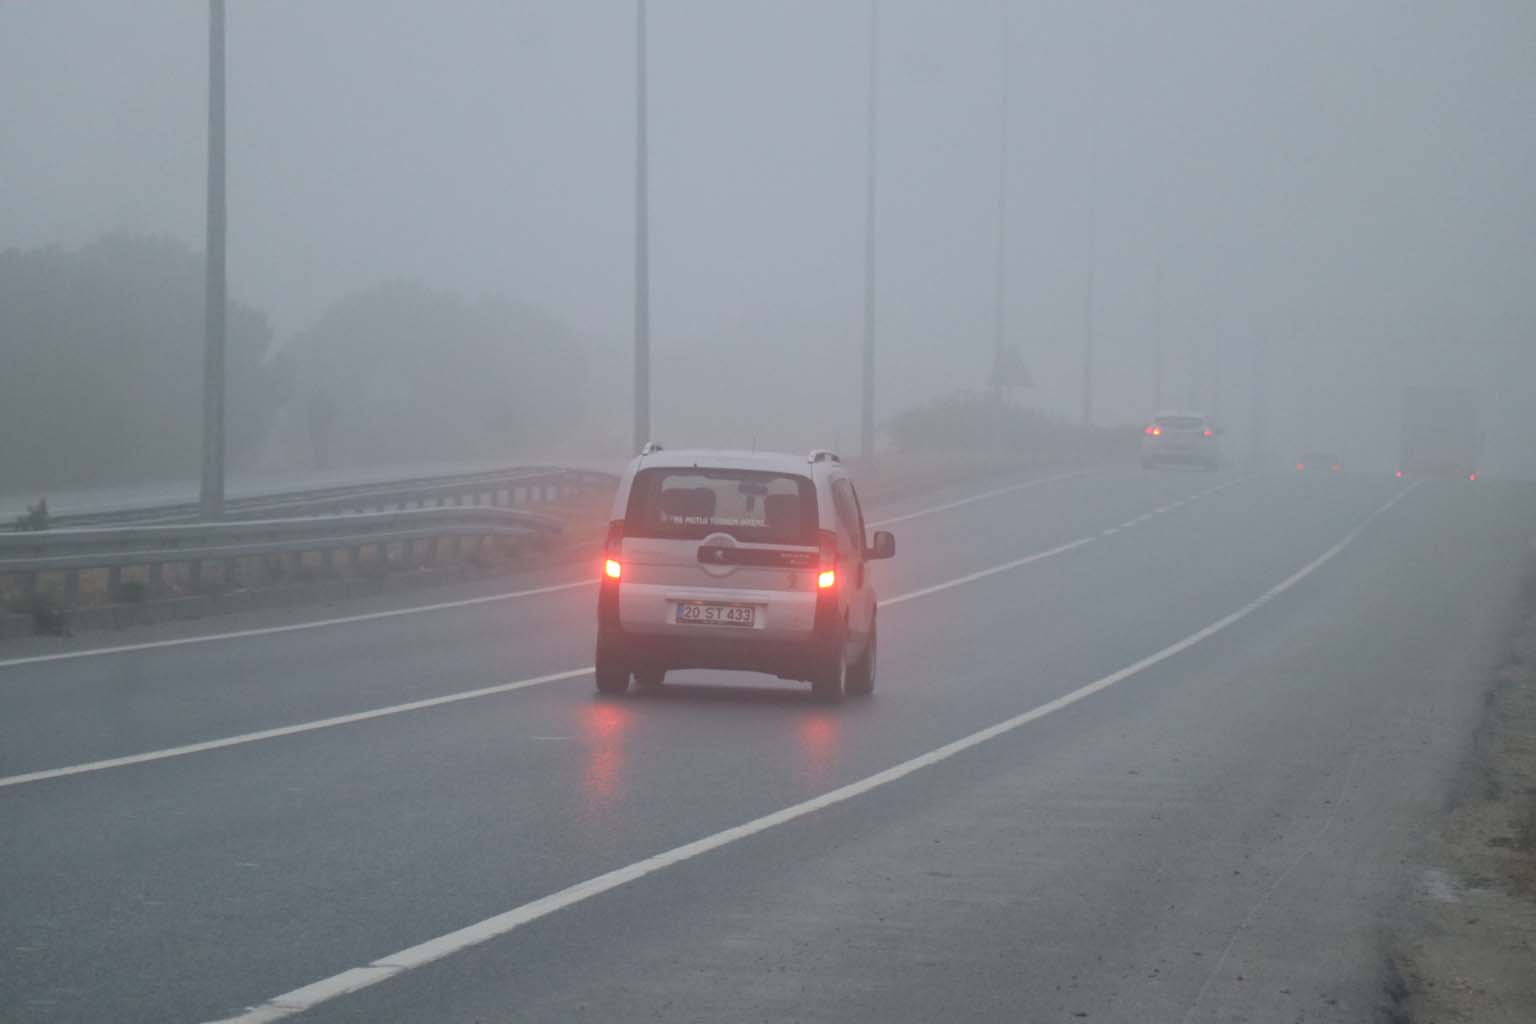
883	547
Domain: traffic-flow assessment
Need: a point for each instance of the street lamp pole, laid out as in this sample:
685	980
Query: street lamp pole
211	498
1157	341
642	244
1000	261
867	417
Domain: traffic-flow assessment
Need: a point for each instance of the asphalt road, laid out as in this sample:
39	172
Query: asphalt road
1221	833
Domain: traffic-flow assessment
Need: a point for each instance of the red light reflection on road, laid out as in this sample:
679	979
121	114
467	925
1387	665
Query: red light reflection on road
820	734
604	726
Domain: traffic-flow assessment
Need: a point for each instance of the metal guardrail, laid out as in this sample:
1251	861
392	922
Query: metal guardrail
469	507
519	485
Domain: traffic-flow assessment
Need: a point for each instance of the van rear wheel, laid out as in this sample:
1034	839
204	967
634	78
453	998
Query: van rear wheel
829	683
861	674
612	673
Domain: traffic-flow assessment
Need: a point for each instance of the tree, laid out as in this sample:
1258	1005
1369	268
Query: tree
101	365
407	373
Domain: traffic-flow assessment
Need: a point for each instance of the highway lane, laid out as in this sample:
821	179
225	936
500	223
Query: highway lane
193	887
72	711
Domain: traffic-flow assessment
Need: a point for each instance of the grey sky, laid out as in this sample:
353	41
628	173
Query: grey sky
1350	184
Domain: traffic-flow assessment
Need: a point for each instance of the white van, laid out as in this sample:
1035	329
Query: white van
748	561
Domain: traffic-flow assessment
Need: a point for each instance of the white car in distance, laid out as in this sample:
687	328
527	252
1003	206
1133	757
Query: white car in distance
1181	438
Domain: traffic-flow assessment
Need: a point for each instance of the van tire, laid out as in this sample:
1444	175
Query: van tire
612	673
861	674
830	682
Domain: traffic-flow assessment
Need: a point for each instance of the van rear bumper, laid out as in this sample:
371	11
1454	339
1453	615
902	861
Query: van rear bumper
803	657
787	659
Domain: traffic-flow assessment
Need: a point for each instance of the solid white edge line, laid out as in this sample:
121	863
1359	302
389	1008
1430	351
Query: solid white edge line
292	627
462	603
357	978
287	730
1011	488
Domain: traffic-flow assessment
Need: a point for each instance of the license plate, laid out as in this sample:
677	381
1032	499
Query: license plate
697	613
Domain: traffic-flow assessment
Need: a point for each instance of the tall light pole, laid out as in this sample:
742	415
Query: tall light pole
867	417
1089	299
642	244
1157	340
1000	262
211	497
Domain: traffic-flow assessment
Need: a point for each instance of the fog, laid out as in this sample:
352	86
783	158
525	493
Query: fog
1307	206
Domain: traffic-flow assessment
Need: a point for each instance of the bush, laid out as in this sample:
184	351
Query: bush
49	615
970	420
35	519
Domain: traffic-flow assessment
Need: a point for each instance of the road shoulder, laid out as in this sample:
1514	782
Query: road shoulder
1471	959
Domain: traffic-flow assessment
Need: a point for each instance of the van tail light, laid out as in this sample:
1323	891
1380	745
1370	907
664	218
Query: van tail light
826	560
612	567
1209	432
1301	465
1399	474
1472	476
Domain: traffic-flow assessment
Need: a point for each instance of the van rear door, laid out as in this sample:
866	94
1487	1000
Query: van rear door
721	528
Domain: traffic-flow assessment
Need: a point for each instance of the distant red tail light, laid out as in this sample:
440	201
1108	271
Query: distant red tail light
1471	476
1301	465
1399	474
1337	467
1154	431
1209	432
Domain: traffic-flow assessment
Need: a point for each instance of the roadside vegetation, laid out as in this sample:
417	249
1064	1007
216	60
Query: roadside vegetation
978	421
1474	959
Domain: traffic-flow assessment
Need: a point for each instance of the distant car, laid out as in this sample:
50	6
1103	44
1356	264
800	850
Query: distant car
746	561
1313	462
1189	438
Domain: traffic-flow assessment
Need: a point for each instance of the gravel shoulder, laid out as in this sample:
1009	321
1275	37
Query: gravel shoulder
1474	958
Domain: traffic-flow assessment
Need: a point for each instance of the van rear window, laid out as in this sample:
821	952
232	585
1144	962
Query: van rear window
754	506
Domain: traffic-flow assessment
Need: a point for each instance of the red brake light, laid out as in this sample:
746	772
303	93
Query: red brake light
612	569
1399	474
1209	432
1301	465
1337	467
1154	431
826	575
1471	476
